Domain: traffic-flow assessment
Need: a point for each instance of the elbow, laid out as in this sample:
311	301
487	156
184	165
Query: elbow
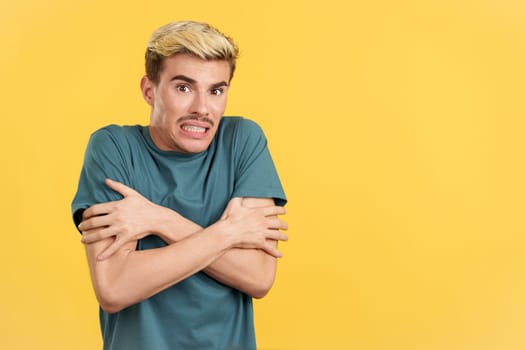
259	293
262	282
110	307
261	287
110	301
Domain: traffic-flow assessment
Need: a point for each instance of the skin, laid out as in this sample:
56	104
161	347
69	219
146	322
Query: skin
240	250
188	102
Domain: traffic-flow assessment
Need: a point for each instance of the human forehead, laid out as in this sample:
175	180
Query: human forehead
200	71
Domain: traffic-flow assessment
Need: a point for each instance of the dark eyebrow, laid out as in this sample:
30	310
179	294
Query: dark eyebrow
218	85
183	78
192	81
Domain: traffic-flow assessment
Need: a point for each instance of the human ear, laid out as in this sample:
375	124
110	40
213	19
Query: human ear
146	86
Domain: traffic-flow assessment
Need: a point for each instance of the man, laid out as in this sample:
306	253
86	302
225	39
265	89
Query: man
180	218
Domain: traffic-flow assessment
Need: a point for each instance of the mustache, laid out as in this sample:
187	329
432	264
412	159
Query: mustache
198	118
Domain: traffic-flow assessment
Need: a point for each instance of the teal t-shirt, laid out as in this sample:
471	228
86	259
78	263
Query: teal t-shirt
198	312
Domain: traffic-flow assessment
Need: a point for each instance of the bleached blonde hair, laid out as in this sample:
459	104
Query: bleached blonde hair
189	37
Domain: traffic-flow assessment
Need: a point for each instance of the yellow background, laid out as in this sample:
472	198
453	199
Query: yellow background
397	128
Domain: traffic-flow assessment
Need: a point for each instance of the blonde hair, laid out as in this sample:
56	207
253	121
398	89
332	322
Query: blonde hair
189	37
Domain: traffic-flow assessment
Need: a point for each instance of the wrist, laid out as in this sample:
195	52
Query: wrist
173	227
165	224
224	231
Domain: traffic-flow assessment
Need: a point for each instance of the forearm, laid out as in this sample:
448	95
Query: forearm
123	276
131	276
251	271
173	227
237	268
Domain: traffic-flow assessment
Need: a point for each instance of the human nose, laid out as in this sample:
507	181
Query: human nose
200	104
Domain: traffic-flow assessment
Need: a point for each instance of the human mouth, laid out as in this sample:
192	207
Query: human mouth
193	128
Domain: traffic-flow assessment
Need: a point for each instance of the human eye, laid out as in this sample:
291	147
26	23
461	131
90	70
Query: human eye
182	88
217	91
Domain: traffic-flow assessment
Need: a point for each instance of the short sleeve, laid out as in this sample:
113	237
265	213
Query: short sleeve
103	159
256	175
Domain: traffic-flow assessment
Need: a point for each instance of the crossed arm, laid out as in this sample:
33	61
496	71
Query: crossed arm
239	250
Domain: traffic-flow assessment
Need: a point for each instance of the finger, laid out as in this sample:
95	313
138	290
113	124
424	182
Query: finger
93	236
276	223
273	210
120	188
86	235
276	235
233	203
95	222
98	209
112	249
272	250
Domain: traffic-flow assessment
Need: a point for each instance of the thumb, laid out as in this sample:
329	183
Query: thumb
112	249
120	188
233	203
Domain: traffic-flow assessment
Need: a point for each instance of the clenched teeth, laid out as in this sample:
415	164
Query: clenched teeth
192	128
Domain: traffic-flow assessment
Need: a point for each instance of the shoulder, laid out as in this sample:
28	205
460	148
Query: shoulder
115	135
242	137
240	127
116	132
239	123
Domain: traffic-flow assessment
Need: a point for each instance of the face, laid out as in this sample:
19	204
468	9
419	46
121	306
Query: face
187	103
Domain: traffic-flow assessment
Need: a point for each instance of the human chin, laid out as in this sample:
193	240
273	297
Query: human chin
193	146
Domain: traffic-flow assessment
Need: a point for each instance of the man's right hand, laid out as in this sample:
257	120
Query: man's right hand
128	219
